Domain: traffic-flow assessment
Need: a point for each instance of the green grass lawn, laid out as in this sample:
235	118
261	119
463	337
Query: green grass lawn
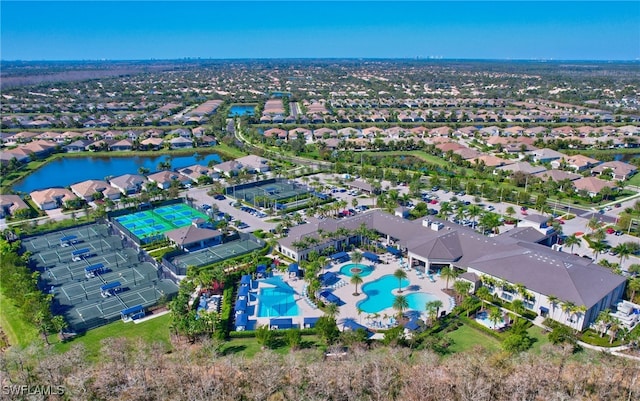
466	338
228	151
18	331
540	337
153	330
635	180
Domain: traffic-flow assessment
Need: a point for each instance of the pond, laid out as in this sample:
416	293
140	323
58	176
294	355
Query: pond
242	110
67	171
625	157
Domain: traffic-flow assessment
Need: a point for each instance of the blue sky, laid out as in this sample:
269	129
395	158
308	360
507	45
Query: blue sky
79	30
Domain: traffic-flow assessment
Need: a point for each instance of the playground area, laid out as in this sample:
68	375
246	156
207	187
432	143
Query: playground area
217	253
95	279
150	225
273	190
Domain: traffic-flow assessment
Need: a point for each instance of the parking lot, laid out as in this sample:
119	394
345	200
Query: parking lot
225	205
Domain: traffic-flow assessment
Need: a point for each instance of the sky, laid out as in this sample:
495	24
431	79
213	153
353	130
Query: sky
128	30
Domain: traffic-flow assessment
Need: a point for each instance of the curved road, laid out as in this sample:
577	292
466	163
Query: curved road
293	159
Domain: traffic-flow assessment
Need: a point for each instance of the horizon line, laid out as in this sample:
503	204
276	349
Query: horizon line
414	58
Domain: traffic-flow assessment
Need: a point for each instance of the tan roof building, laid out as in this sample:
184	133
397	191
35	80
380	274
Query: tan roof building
592	185
620	170
193	237
575	162
52	198
86	190
9	204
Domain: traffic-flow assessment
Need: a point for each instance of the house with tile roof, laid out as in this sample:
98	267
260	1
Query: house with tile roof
620	171
87	189
557	175
52	198
546	155
197	170
163	179
575	162
10	204
592	185
128	184
524	167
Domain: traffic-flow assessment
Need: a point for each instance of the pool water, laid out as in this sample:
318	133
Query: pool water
483	319
276	302
380	295
353	268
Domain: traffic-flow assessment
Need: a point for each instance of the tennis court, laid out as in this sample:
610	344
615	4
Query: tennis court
92	276
217	253
273	189
151	224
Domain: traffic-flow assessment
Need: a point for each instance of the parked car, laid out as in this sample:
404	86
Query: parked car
219	197
610	230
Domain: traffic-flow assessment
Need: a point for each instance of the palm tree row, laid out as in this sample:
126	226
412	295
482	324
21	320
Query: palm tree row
341	234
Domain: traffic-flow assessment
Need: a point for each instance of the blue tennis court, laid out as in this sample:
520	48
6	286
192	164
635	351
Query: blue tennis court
150	224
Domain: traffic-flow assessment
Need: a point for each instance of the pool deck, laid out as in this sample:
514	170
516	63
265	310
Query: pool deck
387	265
305	310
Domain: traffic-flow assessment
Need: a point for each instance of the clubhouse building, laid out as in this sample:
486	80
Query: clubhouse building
518	264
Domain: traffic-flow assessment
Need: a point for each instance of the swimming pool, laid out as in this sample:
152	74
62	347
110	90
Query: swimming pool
380	295
353	268
483	319
276	302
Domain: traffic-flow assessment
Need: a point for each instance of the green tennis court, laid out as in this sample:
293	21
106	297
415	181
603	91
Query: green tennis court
274	190
153	223
217	253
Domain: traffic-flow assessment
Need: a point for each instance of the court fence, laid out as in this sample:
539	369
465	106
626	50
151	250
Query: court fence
123	212
181	270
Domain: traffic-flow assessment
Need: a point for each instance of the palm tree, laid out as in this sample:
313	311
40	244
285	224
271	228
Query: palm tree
553	300
400	275
332	310
597	247
510	211
356	280
433	308
593	224
490	221
400	304
461	288
623	250
567	307
356	256
634	286
613	329
449	274
495	316
602	322
474	212
572	241
445	209
468	303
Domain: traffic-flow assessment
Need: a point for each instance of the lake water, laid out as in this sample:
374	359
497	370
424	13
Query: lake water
624	157
242	110
67	171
